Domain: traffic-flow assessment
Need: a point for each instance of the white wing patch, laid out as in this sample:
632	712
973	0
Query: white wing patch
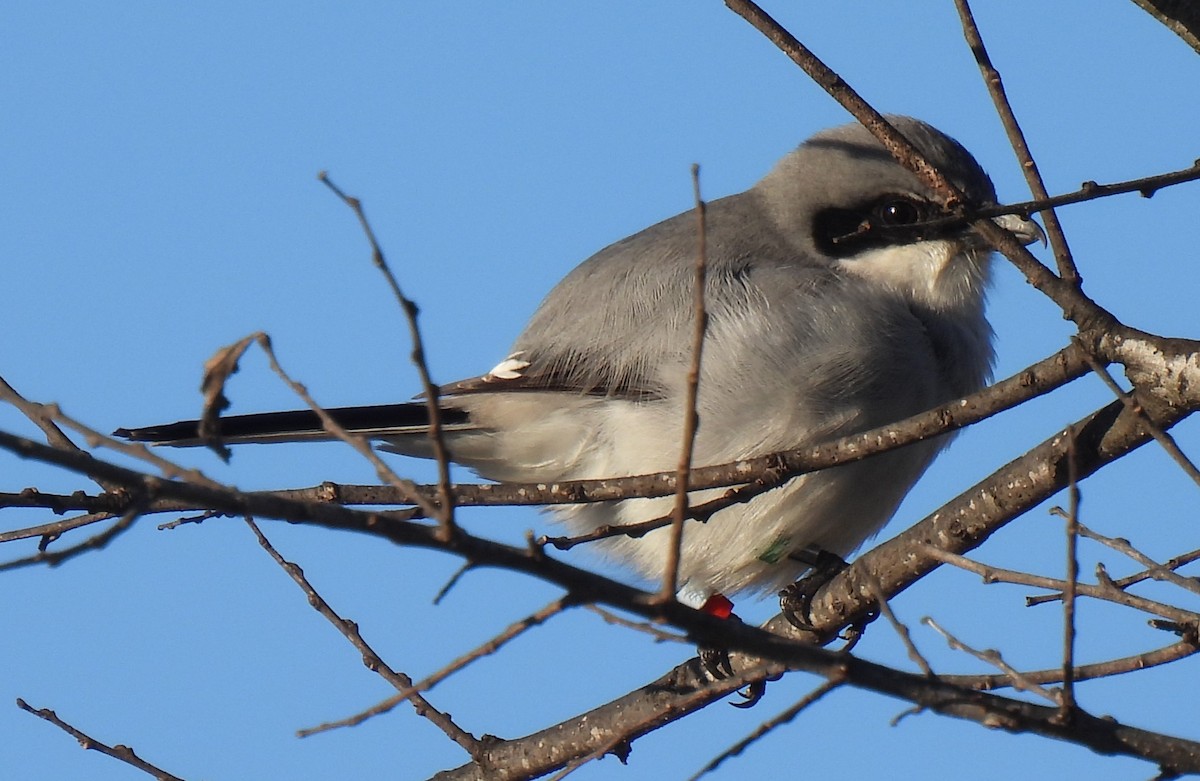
508	369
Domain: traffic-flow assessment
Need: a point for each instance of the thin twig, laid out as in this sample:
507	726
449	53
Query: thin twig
1154	570
139	451
466	567
371	660
39	414
425	684
991	77
1104	591
120	752
1084	672
691	419
901	629
55	529
645	627
95	542
189	520
1171	564
1146	186
1067	702
445	515
385	472
994	658
783	718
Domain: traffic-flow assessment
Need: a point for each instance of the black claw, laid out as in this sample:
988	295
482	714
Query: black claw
751	695
716	662
853	633
795	601
718	665
796	605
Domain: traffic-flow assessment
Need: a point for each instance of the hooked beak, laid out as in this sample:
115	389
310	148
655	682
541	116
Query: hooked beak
1025	231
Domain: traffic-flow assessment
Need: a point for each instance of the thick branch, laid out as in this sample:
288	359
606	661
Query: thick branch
1181	17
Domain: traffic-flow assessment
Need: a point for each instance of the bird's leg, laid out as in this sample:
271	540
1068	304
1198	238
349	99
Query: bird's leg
795	601
716	660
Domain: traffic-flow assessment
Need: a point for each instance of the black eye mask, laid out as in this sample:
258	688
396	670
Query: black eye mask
889	221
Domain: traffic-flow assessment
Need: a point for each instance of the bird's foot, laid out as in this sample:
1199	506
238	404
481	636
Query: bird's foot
716	660
795	601
853	633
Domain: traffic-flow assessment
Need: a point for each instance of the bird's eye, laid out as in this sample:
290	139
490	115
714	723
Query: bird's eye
895	212
887	221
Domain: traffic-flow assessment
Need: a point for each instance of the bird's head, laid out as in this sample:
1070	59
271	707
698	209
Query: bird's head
841	197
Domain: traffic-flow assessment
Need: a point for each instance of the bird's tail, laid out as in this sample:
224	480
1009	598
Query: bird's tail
393	422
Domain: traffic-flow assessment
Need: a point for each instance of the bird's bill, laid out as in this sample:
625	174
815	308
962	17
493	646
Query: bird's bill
1026	231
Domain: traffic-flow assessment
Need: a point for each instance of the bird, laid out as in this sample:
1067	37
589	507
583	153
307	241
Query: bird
839	298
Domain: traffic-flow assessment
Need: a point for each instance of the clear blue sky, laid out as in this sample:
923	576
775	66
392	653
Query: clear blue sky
160	200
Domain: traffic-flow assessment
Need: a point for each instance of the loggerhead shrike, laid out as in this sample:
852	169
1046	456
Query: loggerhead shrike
834	307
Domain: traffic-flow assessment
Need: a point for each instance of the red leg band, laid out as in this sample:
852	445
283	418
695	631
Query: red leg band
717	605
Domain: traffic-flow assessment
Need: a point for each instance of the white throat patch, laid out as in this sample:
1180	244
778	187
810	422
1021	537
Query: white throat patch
940	273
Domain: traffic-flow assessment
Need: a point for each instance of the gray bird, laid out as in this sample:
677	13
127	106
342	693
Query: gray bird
834	307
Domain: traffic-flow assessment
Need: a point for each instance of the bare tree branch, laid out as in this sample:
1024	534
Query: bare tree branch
428	682
445	512
371	660
1067	269
1181	17
766	727
1104	590
123	753
1015	678
691	419
1084	672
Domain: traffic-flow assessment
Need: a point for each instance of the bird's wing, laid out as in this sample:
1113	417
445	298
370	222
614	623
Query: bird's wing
620	324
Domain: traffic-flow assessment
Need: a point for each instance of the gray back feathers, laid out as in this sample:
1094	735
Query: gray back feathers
619	324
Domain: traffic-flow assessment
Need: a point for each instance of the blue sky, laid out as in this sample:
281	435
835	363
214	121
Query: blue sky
161	200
